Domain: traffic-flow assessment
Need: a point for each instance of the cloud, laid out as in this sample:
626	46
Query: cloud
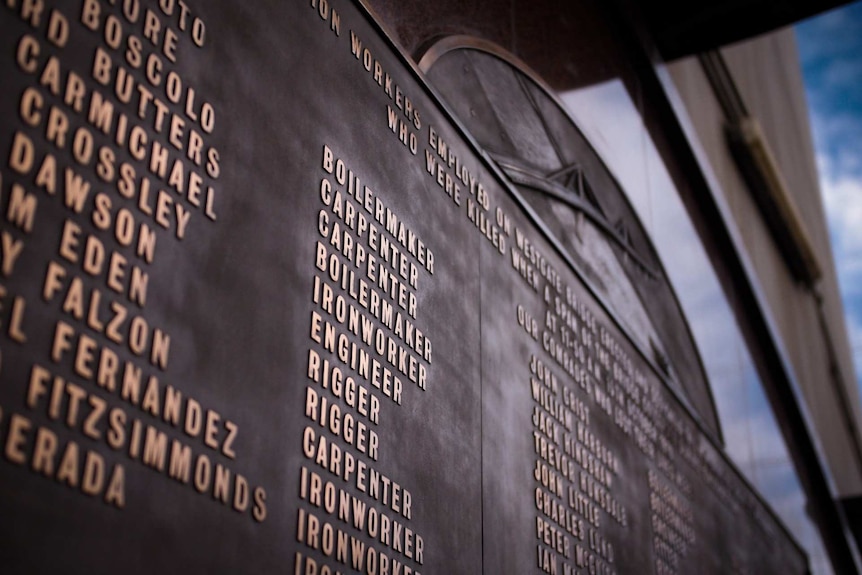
830	48
841	186
837	128
832	34
842	196
843	72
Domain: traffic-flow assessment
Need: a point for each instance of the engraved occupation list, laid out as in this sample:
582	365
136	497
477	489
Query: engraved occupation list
265	308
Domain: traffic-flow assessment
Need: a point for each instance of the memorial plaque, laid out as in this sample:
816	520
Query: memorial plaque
266	307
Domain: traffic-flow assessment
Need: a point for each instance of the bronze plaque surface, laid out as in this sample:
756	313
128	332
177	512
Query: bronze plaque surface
265	309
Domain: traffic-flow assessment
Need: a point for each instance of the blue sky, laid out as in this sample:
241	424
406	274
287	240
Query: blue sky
830	47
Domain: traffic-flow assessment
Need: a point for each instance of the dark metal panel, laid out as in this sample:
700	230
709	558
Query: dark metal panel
242	296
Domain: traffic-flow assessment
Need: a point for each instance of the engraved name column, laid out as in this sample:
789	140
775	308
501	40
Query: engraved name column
111	161
366	347
576	472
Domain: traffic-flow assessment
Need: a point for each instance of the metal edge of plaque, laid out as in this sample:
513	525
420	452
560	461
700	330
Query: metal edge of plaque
451	43
442	46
